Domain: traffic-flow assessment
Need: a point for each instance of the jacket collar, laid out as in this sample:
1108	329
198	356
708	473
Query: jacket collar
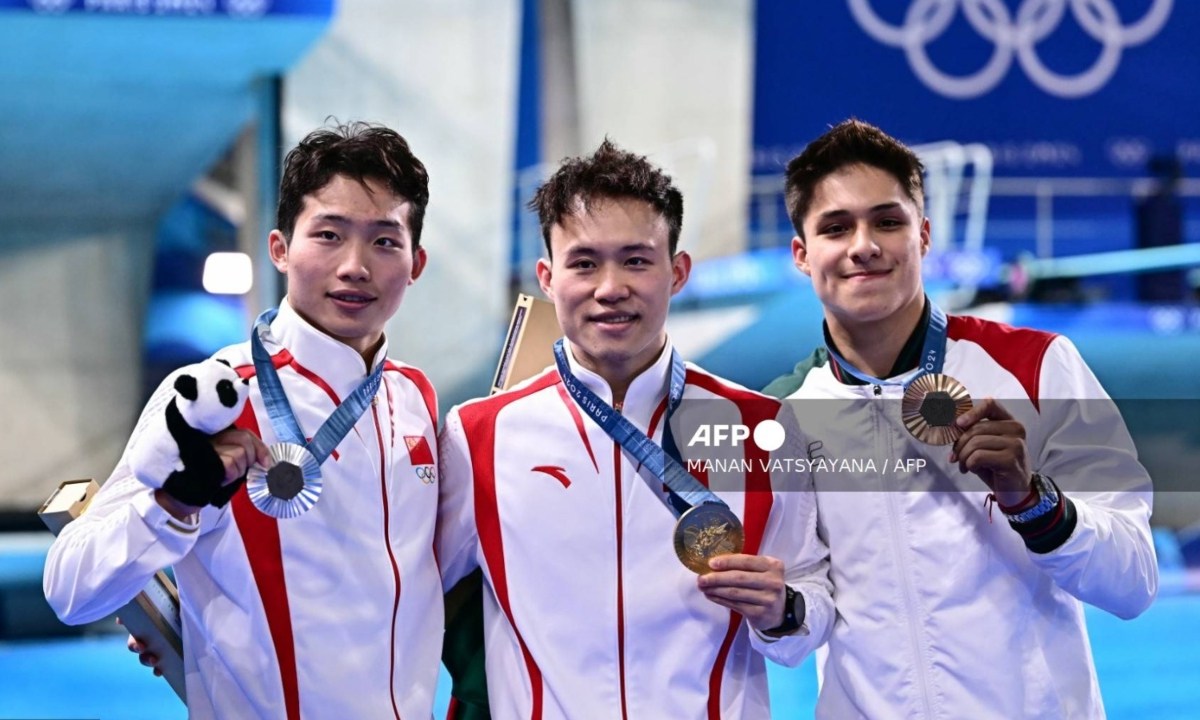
908	359
645	392
335	362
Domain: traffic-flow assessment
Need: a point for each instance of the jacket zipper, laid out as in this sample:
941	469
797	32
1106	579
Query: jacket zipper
387	541
900	545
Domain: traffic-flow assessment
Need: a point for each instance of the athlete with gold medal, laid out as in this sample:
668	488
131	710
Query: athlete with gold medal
569	493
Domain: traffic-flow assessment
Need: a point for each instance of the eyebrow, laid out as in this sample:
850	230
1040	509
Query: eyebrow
343	220
842	211
627	248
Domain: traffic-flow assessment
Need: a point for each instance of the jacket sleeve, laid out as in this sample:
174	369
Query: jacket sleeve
791	535
1108	559
457	538
101	560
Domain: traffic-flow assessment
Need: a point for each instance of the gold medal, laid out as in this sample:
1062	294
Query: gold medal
707	530
291	487
931	405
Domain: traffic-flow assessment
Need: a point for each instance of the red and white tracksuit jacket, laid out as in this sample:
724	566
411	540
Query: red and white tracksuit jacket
588	612
333	614
943	612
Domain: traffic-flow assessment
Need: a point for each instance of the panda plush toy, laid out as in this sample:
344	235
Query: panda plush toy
174	449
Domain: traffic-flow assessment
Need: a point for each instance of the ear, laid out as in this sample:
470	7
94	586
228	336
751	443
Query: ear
185	385
681	270
800	255
543	276
419	261
278	246
925	237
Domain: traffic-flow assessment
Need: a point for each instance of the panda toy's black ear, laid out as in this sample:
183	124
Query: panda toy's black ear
185	385
245	380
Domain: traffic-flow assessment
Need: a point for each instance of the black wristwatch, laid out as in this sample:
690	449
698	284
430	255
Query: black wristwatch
792	615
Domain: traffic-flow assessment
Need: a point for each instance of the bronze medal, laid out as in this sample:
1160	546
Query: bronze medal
705	531
931	405
291	487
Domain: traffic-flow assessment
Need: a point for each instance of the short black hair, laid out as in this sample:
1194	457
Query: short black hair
608	173
850	142
359	151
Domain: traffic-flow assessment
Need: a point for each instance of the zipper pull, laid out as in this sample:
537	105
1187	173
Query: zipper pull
878	391
375	401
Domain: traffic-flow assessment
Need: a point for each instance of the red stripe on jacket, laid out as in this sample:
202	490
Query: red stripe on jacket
264	553
1018	350
479	424
758	499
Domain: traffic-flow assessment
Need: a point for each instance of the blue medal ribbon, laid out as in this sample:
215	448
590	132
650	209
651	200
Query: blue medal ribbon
933	354
335	428
685	491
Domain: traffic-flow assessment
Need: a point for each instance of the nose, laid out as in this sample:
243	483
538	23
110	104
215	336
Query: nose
863	246
611	285
353	263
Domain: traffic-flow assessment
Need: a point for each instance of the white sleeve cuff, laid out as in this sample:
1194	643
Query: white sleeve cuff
162	523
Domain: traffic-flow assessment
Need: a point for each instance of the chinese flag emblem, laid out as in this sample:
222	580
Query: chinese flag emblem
418	450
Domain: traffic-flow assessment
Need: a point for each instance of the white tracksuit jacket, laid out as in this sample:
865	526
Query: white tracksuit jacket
588	612
942	610
333	614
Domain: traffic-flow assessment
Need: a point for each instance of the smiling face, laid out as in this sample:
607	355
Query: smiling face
611	277
349	261
863	243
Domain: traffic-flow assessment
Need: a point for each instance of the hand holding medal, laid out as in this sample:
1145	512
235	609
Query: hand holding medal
992	445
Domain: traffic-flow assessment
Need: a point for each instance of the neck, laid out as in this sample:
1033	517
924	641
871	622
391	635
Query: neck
873	346
618	375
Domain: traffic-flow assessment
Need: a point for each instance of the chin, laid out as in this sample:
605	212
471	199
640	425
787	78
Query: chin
869	311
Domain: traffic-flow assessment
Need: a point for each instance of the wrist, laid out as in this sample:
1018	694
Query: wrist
1046	499
1016	501
793	614
176	509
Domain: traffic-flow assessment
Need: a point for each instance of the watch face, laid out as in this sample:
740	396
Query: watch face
1047	501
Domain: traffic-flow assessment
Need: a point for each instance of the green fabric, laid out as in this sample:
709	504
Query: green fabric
785	385
462	649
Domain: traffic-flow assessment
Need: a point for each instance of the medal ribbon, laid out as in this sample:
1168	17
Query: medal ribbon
686	491
933	354
336	427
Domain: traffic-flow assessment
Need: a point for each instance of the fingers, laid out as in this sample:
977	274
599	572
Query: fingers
145	657
749	563
239	450
1010	429
995	451
970	452
748	584
986	409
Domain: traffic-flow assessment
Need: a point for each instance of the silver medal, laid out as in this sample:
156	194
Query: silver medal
291	487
